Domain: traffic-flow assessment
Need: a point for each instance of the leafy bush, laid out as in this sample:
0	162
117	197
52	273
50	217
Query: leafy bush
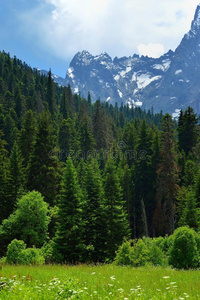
183	252
140	253
124	254
29	222
31	256
14	251
156	255
18	254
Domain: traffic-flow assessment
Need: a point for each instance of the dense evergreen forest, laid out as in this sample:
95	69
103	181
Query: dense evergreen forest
84	176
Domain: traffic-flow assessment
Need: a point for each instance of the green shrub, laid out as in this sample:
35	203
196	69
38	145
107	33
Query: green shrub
18	254
124	254
31	256
48	251
14	251
140	254
156	255
183	253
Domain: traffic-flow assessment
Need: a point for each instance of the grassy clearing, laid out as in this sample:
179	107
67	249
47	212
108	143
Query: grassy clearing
97	282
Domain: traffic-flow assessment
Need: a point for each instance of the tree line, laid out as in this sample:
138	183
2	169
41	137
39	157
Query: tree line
100	172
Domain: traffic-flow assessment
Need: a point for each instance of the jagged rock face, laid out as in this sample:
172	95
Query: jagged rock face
168	83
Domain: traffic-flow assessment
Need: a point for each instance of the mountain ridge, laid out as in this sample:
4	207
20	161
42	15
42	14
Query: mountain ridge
169	83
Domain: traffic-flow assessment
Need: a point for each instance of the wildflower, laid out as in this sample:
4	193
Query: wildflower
165	277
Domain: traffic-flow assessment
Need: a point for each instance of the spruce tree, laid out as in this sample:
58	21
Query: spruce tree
43	171
51	95
95	217
187	130
69	235
4	172
167	180
16	175
27	136
102	130
117	218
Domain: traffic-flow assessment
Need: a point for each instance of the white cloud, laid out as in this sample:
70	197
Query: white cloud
152	50
119	27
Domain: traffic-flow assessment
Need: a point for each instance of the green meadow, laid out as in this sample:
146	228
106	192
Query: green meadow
97	282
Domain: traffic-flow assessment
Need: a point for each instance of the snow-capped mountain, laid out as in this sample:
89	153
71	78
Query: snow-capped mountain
168	83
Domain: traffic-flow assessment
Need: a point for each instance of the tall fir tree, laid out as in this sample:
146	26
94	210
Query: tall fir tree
43	171
16	175
69	235
117	217
51	95
4	173
187	130
27	136
102	130
167	181
95	217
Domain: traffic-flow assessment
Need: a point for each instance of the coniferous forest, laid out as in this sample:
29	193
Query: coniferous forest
77	178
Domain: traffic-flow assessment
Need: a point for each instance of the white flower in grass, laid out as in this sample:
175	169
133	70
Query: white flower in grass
166	277
112	277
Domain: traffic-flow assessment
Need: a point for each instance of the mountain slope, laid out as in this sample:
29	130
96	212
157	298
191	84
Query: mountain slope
167	83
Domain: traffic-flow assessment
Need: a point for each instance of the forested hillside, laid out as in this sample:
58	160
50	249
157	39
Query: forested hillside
83	176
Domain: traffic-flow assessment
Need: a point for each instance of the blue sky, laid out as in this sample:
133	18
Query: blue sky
48	33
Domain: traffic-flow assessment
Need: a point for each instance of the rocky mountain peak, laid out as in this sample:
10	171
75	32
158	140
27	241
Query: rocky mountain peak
167	83
196	22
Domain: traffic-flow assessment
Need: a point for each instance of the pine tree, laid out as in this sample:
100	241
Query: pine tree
43	172
16	175
167	180
117	218
51	95
187	133
143	176
67	138
94	213
85	130
10	131
102	131
190	214
69	235
4	171
27	136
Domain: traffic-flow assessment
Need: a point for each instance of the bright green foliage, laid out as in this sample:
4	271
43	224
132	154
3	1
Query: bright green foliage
117	218
190	214
184	253
140	253
18	254
14	250
124	255
29	222
69	235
